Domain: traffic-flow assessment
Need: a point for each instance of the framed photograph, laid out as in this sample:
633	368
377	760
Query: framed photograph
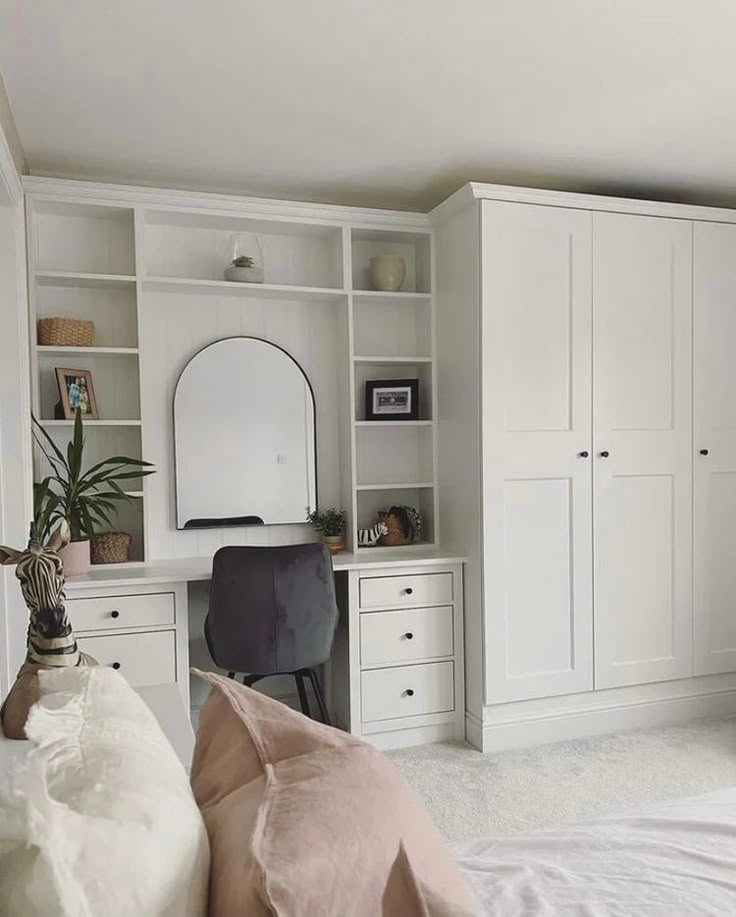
392	399
76	391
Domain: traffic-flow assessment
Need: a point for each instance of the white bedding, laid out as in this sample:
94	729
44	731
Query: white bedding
11	750
675	859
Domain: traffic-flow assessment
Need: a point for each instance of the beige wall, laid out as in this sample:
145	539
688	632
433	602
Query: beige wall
7	124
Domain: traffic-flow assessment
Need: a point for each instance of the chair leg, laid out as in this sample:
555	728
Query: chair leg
231	674
299	679
250	680
320	697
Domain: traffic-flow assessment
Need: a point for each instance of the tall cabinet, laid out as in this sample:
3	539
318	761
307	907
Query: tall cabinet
594	341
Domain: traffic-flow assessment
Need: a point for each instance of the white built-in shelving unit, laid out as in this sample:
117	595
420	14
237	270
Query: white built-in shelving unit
147	267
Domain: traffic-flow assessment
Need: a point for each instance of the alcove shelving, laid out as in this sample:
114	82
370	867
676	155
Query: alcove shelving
148	268
395	460
82	265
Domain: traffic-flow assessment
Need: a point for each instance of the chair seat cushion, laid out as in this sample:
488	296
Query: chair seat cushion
325	823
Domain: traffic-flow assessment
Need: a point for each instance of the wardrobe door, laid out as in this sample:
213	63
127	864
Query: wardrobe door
536	391
714	453
642	467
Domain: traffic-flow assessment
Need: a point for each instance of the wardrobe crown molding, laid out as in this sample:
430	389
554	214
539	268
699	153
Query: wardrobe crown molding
479	191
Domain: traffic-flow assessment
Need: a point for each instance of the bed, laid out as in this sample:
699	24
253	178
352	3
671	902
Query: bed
675	859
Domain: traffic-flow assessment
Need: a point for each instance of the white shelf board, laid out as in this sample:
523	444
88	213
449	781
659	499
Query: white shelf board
228	288
45	422
393	423
399	295
405	551
44	349
399	360
75	279
424	485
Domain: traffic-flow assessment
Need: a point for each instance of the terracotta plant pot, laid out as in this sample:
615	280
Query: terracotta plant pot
335	543
75	557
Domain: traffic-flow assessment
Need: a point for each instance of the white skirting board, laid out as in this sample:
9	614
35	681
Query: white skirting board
507	726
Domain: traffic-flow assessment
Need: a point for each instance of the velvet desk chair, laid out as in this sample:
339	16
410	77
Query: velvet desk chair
272	611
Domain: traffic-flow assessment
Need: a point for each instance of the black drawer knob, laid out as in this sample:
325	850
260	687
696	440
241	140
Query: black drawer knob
703	451
409	636
114	614
408	590
604	454
583	454
409	692
116	665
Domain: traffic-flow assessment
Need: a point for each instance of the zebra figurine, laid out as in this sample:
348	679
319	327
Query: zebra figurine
50	642
368	538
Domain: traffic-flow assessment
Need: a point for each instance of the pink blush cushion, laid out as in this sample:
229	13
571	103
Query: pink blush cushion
305	820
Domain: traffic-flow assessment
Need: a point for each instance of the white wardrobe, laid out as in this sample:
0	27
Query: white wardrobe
587	454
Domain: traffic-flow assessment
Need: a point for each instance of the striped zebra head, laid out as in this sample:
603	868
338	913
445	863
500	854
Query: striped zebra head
40	572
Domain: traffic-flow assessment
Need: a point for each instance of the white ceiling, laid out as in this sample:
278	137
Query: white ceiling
378	102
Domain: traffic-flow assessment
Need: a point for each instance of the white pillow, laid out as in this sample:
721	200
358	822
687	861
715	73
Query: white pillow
99	820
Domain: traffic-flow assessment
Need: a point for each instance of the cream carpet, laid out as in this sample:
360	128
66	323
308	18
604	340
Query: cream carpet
470	795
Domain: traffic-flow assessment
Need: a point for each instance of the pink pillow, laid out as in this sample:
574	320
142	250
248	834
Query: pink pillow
304	819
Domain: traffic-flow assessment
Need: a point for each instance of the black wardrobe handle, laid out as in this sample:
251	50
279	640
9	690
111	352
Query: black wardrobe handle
408	590
703	451
116	665
583	454
114	614
409	636
409	692
604	454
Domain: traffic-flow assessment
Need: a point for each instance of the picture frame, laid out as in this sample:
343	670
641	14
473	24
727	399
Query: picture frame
75	390
392	399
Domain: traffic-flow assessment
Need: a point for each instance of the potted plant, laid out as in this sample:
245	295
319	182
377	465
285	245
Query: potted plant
244	269
87	500
330	523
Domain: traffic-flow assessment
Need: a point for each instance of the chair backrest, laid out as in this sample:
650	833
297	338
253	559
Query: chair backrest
271	609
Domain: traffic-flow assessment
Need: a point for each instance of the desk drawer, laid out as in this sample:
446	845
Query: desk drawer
121	611
402	636
415	589
407	690
144	659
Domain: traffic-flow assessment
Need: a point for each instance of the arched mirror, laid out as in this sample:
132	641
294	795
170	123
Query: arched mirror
244	430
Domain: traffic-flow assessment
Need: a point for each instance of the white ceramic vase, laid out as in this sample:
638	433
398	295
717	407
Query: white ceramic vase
387	273
75	557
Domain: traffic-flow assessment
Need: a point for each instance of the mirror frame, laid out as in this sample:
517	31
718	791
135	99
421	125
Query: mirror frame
238	521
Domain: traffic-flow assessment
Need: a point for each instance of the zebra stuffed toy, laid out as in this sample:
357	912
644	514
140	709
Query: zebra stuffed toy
50	643
368	538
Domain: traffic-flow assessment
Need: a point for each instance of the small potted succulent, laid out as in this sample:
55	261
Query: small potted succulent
247	259
330	523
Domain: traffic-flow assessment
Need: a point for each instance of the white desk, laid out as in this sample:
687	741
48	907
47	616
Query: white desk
396	675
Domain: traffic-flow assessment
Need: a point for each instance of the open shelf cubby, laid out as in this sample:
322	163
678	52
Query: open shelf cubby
413	247
390	326
115	382
199	246
100	443
83	239
374	368
393	454
112	307
371	502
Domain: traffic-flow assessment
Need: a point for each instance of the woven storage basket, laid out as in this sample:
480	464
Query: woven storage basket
65	332
110	547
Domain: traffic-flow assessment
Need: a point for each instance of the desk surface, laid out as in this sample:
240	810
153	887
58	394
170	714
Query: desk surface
191	569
